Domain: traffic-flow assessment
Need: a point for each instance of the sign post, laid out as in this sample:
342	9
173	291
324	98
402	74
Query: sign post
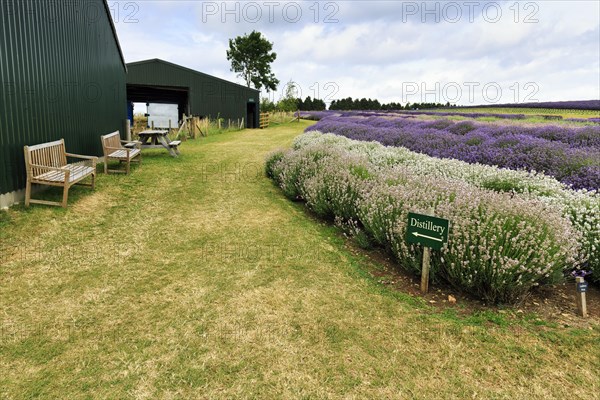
432	233
581	286
425	270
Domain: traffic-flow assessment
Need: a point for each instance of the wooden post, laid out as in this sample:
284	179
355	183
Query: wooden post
185	124
181	127
152	125
127	130
425	265
425	270
199	126
580	289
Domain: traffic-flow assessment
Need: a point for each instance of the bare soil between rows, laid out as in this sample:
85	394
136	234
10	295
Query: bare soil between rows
553	303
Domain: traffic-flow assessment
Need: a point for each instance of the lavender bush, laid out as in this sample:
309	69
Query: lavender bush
318	115
471	115
498	249
584	120
315	115
499	246
571	155
581	207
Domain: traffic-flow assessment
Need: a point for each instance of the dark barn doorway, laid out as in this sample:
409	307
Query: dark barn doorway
160	94
251	115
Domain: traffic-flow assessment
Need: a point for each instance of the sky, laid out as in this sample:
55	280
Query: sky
462	52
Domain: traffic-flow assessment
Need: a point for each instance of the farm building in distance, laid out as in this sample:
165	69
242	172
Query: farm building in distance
195	93
63	75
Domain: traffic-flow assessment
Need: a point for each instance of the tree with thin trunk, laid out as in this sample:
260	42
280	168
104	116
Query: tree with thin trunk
251	56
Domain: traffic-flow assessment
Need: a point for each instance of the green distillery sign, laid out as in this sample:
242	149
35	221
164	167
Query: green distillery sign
427	230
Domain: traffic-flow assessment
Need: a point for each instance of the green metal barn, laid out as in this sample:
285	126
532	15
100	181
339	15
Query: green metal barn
195	93
63	75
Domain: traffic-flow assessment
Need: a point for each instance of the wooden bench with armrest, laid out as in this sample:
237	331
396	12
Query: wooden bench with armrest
46	164
125	151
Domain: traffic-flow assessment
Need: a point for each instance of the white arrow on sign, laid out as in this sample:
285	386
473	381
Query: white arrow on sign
417	234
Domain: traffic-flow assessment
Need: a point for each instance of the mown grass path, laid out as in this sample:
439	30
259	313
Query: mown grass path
195	278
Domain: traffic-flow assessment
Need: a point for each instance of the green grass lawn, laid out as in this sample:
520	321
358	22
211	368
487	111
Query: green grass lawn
533	114
195	278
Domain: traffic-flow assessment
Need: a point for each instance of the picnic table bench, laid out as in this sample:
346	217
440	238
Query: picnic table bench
46	164
153	138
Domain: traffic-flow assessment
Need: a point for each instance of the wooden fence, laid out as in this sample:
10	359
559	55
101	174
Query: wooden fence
264	120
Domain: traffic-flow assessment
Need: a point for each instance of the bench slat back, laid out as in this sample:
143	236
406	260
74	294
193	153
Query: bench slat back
52	154
111	140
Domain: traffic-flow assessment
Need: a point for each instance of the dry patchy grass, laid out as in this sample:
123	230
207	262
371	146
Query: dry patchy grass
195	278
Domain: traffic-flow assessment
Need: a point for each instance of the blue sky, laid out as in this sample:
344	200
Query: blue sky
465	52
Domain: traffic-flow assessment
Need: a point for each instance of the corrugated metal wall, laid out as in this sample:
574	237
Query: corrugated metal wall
208	96
61	76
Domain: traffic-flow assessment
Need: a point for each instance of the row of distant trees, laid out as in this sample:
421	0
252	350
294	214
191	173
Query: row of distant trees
292	104
374	104
310	104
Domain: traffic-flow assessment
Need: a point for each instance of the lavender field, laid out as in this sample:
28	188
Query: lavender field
523	197
569	154
512	230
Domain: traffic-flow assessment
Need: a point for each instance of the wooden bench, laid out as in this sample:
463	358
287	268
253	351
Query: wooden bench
122	150
46	164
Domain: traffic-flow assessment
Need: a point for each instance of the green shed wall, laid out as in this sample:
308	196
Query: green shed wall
62	76
208	96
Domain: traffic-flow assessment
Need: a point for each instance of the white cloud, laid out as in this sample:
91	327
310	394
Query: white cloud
376	48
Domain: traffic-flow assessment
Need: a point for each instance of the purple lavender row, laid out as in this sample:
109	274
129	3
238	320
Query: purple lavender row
575	137
404	114
574	161
412	114
472	115
318	115
594	120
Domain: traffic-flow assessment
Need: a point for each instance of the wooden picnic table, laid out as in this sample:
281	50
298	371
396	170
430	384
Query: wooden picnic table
153	138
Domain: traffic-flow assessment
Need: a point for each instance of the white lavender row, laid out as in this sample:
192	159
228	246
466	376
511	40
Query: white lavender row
502	244
582	207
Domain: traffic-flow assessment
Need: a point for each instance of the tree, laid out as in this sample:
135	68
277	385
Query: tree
308	104
290	101
266	105
318	105
251	57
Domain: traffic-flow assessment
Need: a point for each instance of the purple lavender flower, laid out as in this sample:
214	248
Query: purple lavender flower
580	273
571	155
